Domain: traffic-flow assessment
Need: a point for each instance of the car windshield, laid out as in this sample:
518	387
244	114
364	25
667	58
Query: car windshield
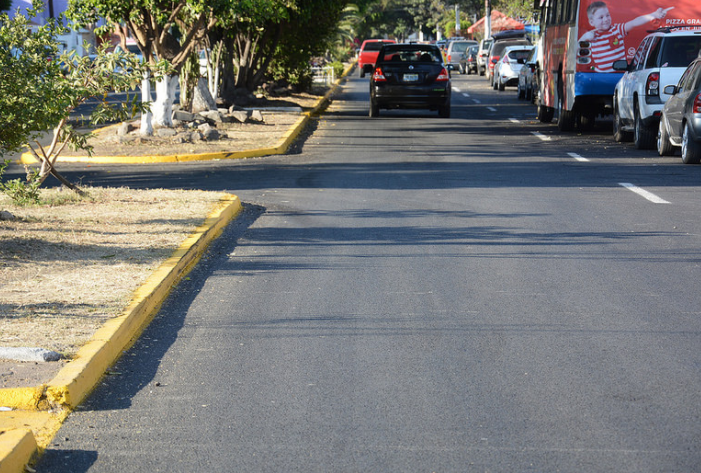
680	51
412	55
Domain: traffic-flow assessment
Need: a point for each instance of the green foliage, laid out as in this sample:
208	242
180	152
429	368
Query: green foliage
31	97
21	192
337	68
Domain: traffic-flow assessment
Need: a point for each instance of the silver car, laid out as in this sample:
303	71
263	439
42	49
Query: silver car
680	122
509	65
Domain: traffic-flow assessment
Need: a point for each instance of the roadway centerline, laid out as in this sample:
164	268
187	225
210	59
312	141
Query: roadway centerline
491	109
643	193
540	136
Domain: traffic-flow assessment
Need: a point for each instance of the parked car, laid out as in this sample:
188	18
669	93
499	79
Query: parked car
680	121
469	60
368	54
527	87
497	50
410	76
482	54
455	53
510	64
660	59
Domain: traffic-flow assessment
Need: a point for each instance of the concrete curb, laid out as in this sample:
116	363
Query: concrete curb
27	430
79	377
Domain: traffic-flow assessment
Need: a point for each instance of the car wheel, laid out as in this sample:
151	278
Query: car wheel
519	92
362	72
619	135
545	114
444	111
374	109
565	118
501	85
691	150
643	136
664	146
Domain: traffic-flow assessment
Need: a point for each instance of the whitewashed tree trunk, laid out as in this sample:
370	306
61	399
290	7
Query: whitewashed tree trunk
146	118
165	96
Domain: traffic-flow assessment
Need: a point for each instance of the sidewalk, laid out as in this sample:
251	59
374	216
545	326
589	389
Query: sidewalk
30	417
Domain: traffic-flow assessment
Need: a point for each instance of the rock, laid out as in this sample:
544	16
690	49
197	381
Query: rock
5	215
29	354
212	115
195	136
257	116
241	115
211	134
202	99
183	116
123	129
166	132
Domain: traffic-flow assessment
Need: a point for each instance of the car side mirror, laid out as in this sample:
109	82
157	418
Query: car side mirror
620	65
671	90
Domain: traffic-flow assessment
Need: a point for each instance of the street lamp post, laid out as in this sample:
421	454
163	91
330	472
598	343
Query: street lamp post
487	19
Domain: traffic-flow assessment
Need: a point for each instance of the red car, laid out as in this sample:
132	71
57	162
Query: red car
368	54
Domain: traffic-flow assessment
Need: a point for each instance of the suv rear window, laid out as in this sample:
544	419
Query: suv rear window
679	51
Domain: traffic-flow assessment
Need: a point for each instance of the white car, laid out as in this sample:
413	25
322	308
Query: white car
506	70
639	96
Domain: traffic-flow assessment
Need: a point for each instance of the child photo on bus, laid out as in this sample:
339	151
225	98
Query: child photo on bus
607	39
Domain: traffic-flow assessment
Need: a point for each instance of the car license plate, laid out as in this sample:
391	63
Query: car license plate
411	77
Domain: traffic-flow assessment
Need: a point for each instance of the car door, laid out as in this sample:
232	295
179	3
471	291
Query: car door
675	108
629	81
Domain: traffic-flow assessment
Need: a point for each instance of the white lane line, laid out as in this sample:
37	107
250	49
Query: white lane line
578	157
456	89
540	136
491	109
643	193
465	94
476	101
513	120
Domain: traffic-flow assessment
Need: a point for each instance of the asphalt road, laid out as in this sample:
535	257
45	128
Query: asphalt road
411	293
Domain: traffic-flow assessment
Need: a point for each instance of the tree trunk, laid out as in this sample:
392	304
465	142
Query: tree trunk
146	118
165	97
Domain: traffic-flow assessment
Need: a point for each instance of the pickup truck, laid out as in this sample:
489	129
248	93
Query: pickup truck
368	54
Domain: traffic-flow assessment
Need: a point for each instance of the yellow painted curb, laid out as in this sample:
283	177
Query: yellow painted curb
75	381
22	398
16	449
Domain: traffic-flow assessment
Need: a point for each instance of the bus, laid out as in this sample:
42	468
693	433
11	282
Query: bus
580	41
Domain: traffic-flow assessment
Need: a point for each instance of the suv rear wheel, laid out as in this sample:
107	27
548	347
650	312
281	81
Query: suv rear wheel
619	134
644	136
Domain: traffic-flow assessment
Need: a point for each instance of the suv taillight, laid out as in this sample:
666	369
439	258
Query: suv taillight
652	86
443	76
697	104
378	76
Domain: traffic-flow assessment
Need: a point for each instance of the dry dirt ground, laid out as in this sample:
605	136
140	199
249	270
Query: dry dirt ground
67	267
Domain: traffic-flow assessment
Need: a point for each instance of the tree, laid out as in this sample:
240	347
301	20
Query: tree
163	30
39	89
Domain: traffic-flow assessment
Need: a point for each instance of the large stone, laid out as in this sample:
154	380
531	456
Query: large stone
183	116
202	99
241	115
38	355
212	115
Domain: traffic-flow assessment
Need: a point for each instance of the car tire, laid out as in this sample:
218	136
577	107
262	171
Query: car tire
545	114
362	72
644	137
444	111
664	146
691	150
619	135
565	118
374	109
500	85
520	93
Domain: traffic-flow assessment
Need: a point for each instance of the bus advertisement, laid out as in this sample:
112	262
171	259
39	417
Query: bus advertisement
581	39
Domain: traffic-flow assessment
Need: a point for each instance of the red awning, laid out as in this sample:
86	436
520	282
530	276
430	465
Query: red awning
500	22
